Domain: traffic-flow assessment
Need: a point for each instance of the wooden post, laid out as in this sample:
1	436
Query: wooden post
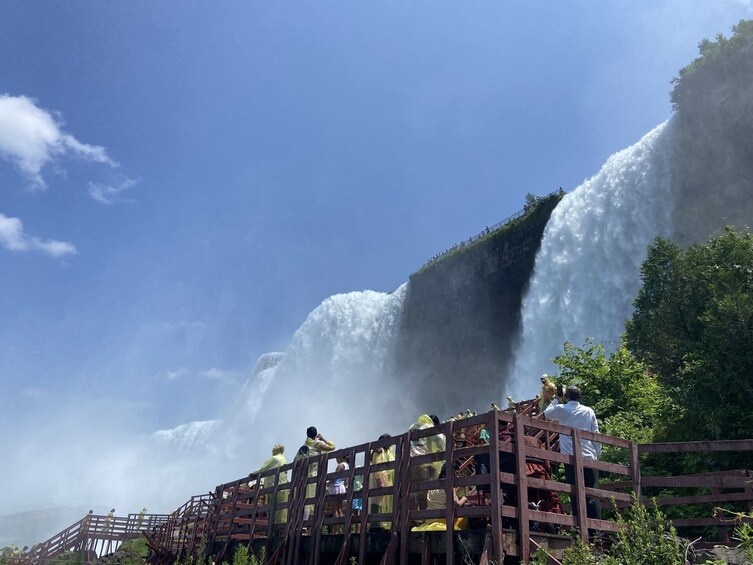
449	488
362	534
635	464
295	512
425	550
255	510
495	496
405	502
272	511
521	479
581	520
320	496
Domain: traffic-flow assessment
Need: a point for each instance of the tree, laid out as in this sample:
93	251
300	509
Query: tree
693	327
628	400
721	61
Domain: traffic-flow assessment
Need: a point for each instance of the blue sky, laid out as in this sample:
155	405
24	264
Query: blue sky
182	182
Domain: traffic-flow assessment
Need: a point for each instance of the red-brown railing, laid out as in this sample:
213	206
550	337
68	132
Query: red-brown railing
93	535
293	515
243	511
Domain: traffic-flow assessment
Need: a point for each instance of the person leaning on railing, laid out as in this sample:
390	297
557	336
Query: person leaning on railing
381	504
277	460
314	445
577	415
423	446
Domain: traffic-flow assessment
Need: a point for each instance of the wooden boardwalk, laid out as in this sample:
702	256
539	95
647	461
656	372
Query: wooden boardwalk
501	524
289	514
92	536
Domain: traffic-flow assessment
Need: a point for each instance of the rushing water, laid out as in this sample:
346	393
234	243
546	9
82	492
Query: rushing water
587	270
335	374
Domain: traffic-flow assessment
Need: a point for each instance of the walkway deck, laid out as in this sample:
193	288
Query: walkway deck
504	524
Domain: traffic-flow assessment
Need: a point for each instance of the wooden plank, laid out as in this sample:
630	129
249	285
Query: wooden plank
495	492
404	498
580	487
449	488
697	446
687	522
320	496
697	482
541	424
365	493
703	499
524	532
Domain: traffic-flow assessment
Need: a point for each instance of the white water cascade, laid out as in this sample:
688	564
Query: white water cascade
587	270
335	375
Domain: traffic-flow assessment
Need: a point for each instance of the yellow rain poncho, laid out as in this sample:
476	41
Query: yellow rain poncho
315	447
381	504
277	460
425	445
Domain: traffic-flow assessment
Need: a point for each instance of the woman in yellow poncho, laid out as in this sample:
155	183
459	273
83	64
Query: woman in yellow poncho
381	504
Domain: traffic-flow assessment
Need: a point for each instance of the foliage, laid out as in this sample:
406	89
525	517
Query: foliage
646	537
628	400
133	552
721	61
693	327
743	531
242	556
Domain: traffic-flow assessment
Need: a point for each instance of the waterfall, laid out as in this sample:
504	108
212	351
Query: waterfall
587	270
335	375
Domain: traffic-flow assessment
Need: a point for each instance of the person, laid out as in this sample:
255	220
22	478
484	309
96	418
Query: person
315	444
381	479
437	500
338	485
577	415
140	520
277	460
424	446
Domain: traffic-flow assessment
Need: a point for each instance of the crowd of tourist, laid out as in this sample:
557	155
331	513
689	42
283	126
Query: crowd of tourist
558	405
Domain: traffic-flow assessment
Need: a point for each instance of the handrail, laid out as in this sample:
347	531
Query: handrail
522	448
93	533
487	230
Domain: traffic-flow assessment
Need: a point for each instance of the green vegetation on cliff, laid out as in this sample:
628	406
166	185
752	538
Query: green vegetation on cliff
536	209
725	62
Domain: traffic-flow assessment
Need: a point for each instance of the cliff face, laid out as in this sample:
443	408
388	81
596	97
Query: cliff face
462	316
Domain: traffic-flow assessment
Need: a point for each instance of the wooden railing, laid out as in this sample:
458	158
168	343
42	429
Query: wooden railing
718	488
244	510
289	512
185	531
93	535
489	230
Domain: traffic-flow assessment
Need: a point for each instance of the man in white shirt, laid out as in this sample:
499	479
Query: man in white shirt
576	415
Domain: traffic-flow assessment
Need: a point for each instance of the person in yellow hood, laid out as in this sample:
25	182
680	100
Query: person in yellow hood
379	479
277	460
424	446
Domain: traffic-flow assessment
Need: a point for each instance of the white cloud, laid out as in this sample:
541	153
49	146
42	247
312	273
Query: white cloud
174	374
214	374
31	137
220	375
12	237
109	193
